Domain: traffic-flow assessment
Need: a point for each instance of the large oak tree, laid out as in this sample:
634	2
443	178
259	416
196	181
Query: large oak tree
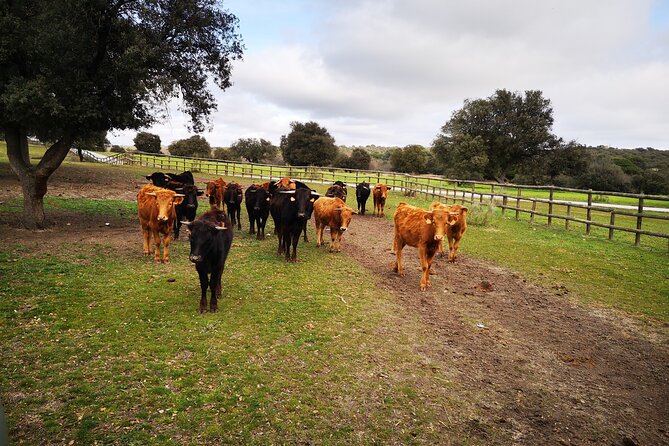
499	133
72	68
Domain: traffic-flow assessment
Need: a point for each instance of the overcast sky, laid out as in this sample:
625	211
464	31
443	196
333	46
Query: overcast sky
391	72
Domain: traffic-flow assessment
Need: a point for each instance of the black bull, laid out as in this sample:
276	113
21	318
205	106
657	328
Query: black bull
210	240
290	211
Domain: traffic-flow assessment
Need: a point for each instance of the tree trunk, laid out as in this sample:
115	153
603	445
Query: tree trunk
34	178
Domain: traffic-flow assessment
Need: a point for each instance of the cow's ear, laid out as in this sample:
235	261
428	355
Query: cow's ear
200	193
428	218
178	198
464	211
148	177
388	187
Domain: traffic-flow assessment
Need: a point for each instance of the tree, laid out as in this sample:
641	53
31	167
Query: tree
461	156
411	159
359	159
254	150
72	68
513	128
147	142
308	145
223	153
195	146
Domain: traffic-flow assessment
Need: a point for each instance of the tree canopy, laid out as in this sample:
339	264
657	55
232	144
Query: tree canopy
254	150
147	142
413	158
507	128
195	146
73	68
307	145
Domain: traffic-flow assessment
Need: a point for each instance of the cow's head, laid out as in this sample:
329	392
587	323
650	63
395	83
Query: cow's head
346	215
441	218
258	197
158	179
202	234
165	202
303	199
381	190
190	193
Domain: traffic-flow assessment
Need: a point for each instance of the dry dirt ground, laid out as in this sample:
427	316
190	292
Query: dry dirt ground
539	365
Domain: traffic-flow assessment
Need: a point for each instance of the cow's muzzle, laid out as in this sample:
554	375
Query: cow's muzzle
343	229
195	259
191	206
301	215
438	237
162	218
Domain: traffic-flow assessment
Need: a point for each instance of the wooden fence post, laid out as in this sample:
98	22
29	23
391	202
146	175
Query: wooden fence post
505	200
566	220
639	220
534	209
550	207
612	223
518	204
589	213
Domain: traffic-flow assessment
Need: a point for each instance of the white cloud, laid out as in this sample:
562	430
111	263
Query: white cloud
392	72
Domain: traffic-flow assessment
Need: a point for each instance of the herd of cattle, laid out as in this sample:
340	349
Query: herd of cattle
171	200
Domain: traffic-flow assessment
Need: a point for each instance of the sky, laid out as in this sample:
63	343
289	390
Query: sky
392	72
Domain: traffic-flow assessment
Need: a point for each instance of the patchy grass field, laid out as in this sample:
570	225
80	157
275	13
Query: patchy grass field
101	345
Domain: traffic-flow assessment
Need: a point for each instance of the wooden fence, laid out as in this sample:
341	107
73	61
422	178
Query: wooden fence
535	201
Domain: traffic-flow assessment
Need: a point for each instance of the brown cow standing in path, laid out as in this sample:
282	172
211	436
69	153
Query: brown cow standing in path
380	194
421	229
215	192
455	232
334	213
156	208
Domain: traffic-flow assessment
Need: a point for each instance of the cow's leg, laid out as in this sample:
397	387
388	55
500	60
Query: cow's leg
215	287
296	239
239	218
305	232
146	235
261	227
252	222
156	242
456	248
333	239
319	233
451	248
398	246
166	247
204	284
425	263
338	241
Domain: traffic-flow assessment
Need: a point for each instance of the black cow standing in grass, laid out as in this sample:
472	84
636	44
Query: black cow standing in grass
361	195
187	209
290	211
257	206
233	201
210	240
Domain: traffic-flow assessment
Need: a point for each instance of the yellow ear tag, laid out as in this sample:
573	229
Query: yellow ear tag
312	200
292	198
267	198
428	221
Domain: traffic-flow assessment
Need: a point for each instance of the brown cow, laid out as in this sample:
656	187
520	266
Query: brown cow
286	183
156	208
334	213
421	229
215	191
456	231
380	193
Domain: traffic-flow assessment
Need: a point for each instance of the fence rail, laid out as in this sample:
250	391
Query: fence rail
520	199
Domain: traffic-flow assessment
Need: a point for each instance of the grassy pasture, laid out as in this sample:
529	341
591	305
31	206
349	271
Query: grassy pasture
101	347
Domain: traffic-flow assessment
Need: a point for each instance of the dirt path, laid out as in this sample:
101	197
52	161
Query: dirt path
542	368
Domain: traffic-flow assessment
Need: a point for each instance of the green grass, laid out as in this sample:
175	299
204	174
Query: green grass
101	348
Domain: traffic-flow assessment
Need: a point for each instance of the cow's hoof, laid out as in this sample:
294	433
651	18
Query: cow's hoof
166	260
203	310
213	309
